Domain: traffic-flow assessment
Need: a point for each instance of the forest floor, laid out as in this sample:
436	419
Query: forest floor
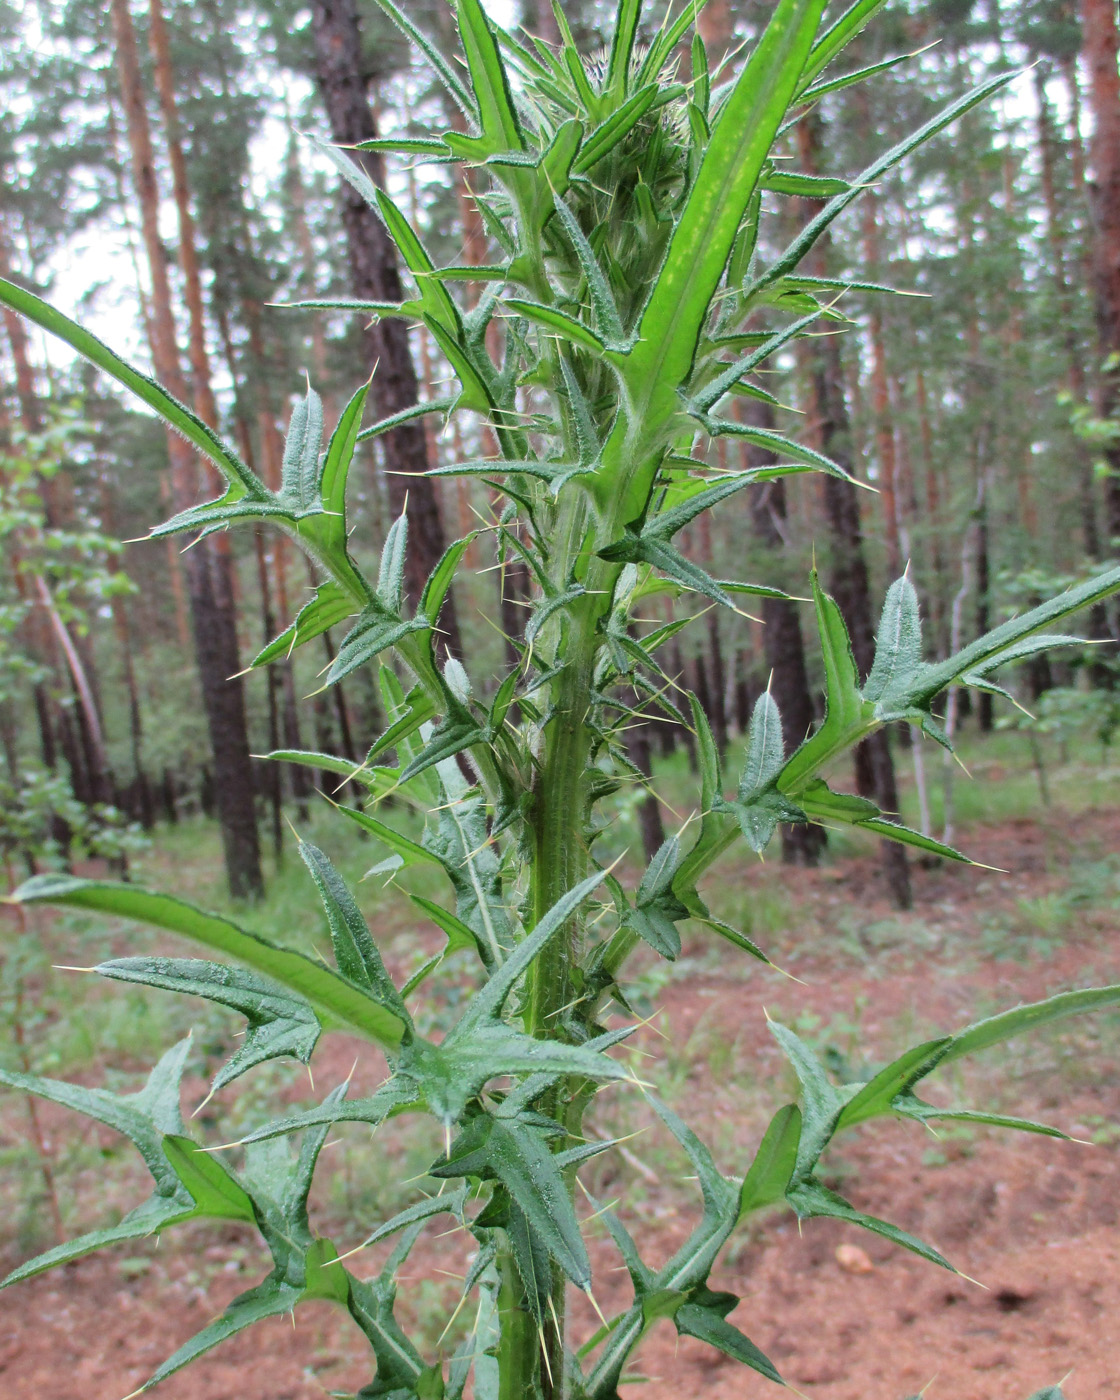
1035	1221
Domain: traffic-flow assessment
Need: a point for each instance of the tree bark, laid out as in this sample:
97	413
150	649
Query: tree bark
375	277
848	579
212	614
1101	43
880	398
541	20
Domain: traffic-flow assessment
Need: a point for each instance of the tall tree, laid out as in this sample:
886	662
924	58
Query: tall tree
208	572
849	581
376	277
1101	46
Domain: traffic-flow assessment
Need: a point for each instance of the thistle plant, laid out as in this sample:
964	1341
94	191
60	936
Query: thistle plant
629	304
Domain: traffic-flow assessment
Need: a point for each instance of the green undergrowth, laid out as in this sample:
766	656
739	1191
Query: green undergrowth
81	1026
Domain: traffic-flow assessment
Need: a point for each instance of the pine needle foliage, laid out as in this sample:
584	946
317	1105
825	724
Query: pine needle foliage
630	305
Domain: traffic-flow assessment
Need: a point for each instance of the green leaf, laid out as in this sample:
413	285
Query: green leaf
390	576
708	396
280	1023
708	1326
705	233
898	646
602	298
518	1156
667	39
186	1186
769	1175
810	1199
399	1364
439	581
336	464
489	1001
394	1096
181	418
419	710
501	130
559	323
614	130
452	1203
459	934
531	1257
657	929
340	1004
837	37
990	1032
407	415
859	75
846	712
357	954
410	852
803	186
760	807
215	1192
405	146
878	1095
765	748
300	468
456	731
158	1213
776	443
984	652
459	841
330	606
273	1298
714	1187
144	1117
623	34
374	631
796	252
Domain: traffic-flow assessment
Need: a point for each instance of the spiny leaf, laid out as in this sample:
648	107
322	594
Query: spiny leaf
280	1022
300	469
705	233
501	130
616	128
518	1156
339	1003
490	1000
773	1166
390	576
898	646
459	841
602	298
181	418
358	957
796	252
330	606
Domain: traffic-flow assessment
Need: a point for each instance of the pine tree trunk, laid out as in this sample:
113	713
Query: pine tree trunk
880	397
541	21
57	512
716	28
848	579
211	603
375	277
1101	42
